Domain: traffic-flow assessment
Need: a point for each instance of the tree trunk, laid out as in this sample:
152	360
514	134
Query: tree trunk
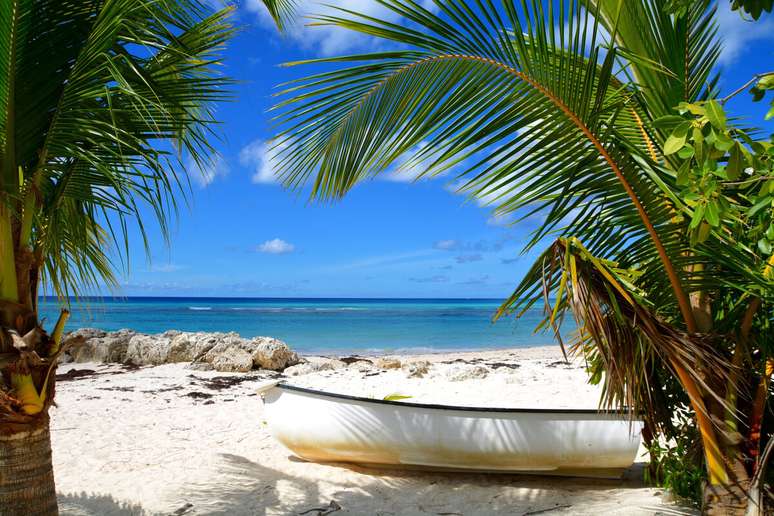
725	500
26	473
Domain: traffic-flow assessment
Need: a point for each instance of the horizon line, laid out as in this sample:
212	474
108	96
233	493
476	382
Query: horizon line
111	296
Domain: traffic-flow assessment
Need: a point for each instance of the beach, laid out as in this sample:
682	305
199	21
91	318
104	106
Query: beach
169	439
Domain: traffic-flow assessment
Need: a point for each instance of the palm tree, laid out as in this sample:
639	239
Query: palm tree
99	102
601	117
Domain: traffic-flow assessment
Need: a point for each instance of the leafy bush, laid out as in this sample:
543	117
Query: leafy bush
678	465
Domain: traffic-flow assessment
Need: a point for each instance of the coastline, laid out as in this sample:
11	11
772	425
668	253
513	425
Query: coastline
325	325
170	438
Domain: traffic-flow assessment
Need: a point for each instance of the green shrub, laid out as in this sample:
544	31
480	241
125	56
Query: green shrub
678	465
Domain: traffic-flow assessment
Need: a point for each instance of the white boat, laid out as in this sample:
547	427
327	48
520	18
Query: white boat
326	427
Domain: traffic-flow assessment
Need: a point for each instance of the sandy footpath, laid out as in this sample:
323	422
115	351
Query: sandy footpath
171	440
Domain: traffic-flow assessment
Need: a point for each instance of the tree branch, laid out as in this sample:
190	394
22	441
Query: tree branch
744	86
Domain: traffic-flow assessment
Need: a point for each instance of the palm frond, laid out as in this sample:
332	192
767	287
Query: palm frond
619	330
529	117
282	11
109	96
686	49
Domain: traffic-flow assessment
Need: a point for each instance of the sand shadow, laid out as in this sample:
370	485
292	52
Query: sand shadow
249	488
85	504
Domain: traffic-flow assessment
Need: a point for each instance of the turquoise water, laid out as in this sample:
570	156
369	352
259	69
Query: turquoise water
320	325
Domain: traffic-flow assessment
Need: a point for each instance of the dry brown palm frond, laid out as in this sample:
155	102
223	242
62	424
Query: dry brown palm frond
621	335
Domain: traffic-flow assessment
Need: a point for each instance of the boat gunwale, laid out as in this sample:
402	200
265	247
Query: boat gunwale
435	406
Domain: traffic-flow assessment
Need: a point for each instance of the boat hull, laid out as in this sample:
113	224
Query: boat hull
324	427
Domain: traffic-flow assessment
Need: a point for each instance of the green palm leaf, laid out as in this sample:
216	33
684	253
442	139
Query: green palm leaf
281	11
101	101
529	117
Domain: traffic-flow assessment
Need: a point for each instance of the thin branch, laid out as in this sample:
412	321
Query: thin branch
744	86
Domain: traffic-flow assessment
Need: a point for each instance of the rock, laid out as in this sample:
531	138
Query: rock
361	366
233	360
387	363
200	366
170	334
102	347
273	354
354	359
314	367
416	369
89	333
190	347
224	344
222	351
148	350
462	372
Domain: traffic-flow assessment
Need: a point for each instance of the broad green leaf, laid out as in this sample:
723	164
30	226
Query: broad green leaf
687	107
686	152
711	214
683	173
723	142
719	172
703	232
715	114
698	216
736	163
765	246
677	139
673	144
760	204
766	82
668	122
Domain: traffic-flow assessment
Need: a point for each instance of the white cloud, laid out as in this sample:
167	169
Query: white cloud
501	220
446	245
276	246
259	155
203	174
407	170
736	33
329	40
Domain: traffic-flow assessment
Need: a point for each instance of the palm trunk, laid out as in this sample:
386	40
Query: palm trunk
26	473
726	500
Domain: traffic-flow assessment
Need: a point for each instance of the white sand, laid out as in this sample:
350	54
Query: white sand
162	439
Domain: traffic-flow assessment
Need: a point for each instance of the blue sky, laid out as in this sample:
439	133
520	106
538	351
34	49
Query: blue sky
243	235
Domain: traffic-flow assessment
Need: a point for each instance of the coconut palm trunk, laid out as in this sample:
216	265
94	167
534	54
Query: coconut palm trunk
27	362
26	474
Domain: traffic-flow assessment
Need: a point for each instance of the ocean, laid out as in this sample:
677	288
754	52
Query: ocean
320	325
